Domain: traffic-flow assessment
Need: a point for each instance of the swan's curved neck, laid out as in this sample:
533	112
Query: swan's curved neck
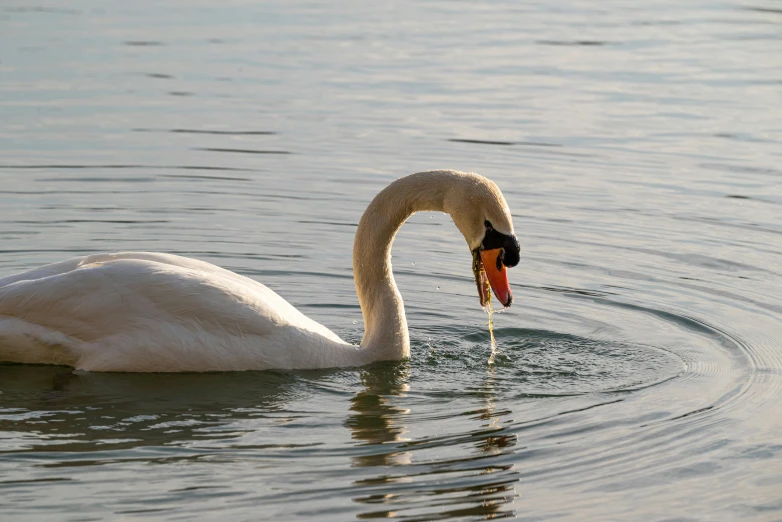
385	326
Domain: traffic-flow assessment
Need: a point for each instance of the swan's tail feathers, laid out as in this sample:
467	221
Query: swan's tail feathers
24	342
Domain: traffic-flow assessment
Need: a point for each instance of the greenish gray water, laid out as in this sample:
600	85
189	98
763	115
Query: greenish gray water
640	368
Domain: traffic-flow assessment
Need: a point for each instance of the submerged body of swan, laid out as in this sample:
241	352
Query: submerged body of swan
152	312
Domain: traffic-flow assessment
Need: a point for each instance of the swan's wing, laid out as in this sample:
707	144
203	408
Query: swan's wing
138	305
73	263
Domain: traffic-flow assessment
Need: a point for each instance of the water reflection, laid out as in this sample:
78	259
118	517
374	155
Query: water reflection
495	443
53	408
426	488
376	420
496	495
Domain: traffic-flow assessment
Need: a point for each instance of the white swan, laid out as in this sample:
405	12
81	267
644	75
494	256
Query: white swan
149	312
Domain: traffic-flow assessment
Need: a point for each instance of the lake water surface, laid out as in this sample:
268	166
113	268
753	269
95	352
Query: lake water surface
639	145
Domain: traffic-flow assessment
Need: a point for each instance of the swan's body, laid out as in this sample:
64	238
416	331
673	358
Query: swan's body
150	312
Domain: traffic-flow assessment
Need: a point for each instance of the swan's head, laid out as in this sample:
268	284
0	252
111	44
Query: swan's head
481	213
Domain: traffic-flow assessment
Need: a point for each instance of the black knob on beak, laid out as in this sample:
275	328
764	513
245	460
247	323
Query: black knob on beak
512	251
510	245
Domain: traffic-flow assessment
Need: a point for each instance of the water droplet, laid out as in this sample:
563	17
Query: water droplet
491	332
438	287
355	322
413	262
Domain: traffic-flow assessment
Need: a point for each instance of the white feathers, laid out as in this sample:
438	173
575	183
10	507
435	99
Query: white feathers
148	312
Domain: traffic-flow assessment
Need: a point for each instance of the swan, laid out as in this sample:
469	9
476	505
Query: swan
154	312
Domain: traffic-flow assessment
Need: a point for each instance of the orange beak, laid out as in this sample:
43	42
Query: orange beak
492	272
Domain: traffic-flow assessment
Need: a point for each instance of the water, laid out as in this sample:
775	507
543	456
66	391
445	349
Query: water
639	371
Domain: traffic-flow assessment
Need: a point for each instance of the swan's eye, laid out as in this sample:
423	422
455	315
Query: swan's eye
488	225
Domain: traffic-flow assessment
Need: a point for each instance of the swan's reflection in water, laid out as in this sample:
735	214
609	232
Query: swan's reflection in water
415	482
375	419
54	408
76	422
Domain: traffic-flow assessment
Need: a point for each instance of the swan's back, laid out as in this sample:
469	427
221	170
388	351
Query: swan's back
153	312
